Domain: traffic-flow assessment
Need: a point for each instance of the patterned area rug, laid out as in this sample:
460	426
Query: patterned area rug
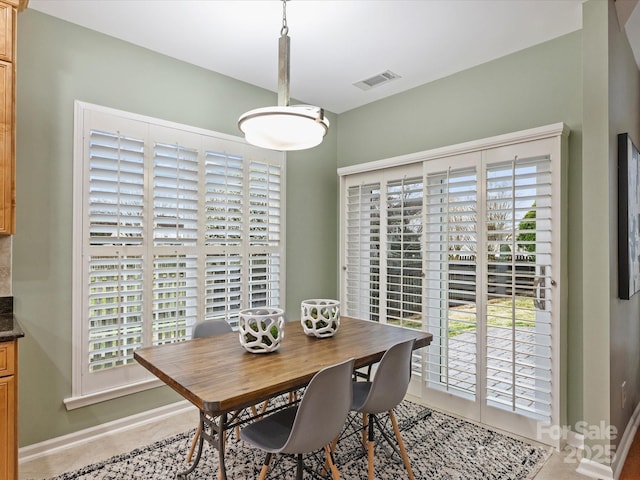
440	447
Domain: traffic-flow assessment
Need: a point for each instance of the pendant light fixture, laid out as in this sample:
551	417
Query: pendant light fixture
285	127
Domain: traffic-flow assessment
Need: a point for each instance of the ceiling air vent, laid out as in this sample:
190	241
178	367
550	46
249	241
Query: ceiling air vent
377	80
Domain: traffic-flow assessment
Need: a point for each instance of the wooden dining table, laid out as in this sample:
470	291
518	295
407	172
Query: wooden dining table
221	378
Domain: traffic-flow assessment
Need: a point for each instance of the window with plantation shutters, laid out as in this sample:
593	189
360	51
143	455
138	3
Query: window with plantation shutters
175	297
465	242
175	225
264	277
114	234
115	309
264	204
175	194
224	179
488	300
224	288
116	177
450	245
518	277
382	257
404	252
225	227
362	251
264	234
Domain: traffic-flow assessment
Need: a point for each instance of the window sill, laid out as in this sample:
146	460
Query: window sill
72	403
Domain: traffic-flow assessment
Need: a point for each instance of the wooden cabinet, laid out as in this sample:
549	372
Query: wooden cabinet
8	422
7	149
7	27
8	14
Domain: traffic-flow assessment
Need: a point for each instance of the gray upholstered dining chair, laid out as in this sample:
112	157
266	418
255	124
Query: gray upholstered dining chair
309	426
383	394
207	328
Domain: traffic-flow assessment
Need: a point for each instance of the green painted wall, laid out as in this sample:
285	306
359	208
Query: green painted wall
624	328
60	62
312	200
534	87
597	241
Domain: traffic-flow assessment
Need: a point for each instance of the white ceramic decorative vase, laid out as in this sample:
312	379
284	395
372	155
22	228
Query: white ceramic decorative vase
320	317
261	330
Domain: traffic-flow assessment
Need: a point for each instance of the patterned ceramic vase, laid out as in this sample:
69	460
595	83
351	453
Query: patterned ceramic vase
320	317
261	330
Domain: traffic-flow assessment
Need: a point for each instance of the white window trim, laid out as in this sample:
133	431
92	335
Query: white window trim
547	131
77	398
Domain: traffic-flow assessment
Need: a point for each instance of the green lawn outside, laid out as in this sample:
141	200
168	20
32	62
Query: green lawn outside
499	314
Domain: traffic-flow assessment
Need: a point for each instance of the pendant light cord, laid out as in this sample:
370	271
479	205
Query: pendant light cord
285	28
283	60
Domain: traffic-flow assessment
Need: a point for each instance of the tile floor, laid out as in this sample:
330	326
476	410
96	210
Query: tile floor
73	458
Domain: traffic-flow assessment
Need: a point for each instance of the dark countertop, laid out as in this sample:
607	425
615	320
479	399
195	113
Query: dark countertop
9	328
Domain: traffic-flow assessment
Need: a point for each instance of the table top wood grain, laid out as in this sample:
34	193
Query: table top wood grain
218	375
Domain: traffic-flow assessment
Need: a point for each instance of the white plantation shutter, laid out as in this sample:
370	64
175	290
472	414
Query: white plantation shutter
404	252
519	268
225	279
362	256
264	204
176	225
115	224
224	198
451	196
264	234
175	195
264	276
224	287
116	176
115	311
382	235
174	297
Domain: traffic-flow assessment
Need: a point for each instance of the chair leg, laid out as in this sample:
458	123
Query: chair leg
365	419
335	474
193	443
370	445
334	443
403	451
265	467
236	432
332	446
263	408
299	468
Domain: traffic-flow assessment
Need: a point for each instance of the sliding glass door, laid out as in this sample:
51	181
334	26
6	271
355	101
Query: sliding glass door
465	247
489	238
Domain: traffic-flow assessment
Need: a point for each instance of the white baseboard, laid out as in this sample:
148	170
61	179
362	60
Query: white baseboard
612	472
575	440
595	470
53	445
625	442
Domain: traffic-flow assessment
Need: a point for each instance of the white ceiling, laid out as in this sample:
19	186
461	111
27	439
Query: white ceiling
334	43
